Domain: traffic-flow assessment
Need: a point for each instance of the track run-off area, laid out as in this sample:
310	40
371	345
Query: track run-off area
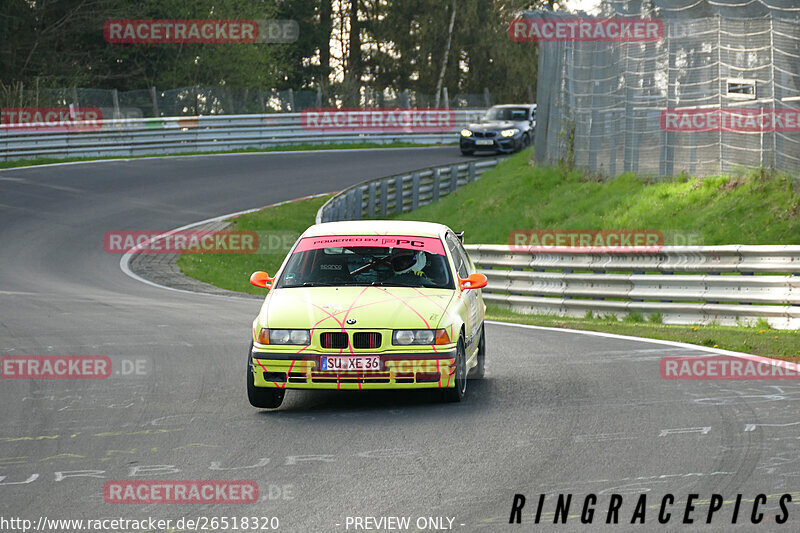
559	412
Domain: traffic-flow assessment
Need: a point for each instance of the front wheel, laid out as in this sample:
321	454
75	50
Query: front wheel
261	397
480	369
457	393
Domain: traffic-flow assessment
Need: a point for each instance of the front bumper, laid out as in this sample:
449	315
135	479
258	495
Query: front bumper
429	370
499	144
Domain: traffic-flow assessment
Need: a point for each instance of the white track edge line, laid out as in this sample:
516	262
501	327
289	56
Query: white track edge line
124	261
677	344
224	154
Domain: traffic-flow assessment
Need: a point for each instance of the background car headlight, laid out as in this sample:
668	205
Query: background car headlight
420	336
285	336
466	133
509	133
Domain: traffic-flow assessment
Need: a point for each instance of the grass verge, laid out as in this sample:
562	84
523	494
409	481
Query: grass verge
759	340
751	207
764	210
287	148
232	271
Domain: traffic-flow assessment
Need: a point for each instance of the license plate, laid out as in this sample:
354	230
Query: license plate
484	142
350	363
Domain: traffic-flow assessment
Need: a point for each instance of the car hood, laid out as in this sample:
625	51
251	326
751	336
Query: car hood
371	307
492	125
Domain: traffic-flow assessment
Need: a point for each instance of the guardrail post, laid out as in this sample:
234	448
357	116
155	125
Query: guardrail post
436	184
384	197
371	200
471	168
340	205
358	204
453	178
398	194
415	191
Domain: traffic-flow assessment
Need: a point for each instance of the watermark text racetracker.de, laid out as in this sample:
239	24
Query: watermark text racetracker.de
228	31
730	119
389	119
587	29
73	366
198	242
723	367
72	118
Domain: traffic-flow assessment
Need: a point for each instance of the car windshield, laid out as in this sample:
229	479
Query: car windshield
354	264
507	113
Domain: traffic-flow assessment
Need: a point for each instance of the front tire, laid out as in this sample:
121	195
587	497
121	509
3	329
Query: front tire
480	369
261	397
459	391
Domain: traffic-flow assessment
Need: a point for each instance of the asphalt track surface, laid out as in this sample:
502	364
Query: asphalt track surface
559	412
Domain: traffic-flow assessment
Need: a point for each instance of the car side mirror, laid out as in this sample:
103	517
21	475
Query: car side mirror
474	281
261	279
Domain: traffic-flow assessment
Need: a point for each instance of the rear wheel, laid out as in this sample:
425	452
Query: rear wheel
261	397
480	369
457	393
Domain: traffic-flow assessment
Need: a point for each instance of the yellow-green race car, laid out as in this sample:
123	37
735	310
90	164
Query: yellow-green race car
369	305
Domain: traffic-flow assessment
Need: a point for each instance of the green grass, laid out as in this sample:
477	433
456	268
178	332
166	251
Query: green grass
232	271
749	208
285	148
781	344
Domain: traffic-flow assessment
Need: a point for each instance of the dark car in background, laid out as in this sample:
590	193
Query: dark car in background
504	129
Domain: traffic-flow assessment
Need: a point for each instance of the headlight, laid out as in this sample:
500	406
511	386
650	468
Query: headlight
420	336
284	336
466	133
509	133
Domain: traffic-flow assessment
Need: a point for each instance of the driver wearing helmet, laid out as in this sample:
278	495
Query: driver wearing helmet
409	262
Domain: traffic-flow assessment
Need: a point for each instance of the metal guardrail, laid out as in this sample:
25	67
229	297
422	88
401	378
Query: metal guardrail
685	284
401	192
144	136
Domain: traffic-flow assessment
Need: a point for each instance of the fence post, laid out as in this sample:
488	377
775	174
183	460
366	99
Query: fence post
319	97
398	194
436	184
406	102
115	100
291	101
453	178
487	99
471	167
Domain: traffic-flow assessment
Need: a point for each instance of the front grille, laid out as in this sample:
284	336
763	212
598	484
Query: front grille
485	134
334	341
366	340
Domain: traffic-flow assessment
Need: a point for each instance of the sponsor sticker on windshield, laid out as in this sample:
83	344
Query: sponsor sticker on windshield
426	244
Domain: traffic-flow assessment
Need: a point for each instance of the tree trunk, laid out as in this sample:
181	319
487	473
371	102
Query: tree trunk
440	81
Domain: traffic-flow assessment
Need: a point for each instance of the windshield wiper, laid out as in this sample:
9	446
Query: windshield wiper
392	284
